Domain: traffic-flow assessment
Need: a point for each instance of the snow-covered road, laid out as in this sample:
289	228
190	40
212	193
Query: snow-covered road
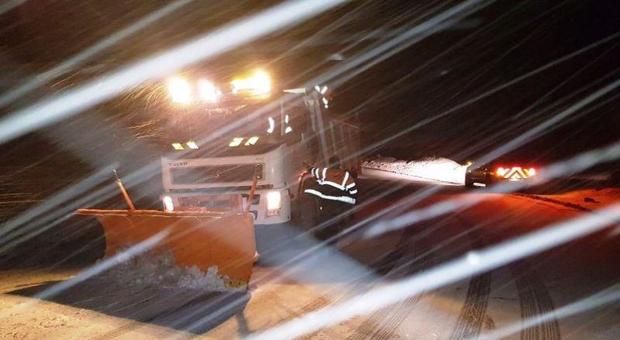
281	291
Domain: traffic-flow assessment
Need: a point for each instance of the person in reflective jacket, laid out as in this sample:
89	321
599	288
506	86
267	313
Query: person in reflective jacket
333	185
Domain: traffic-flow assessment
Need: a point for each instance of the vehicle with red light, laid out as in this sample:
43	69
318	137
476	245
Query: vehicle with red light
487	175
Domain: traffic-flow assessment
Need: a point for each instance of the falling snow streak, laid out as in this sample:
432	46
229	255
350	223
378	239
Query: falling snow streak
471	264
41	79
73	101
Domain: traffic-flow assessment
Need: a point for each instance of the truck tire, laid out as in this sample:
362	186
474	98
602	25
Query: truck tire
468	182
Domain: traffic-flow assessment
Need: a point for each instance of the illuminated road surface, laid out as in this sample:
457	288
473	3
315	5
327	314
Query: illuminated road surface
284	288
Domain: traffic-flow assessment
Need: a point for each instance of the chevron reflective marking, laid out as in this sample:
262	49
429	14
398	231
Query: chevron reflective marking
515	173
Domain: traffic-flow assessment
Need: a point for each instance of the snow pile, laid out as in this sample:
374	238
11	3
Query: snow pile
194	278
429	169
148	270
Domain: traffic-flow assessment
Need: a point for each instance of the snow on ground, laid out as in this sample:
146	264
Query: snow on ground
149	270
56	321
429	169
589	198
100	309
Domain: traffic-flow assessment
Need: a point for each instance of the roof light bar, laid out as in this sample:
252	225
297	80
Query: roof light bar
180	90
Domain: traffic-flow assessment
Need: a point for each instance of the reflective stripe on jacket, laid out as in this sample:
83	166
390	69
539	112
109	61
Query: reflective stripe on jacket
333	184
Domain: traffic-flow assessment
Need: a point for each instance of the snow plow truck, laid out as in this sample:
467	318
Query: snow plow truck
238	151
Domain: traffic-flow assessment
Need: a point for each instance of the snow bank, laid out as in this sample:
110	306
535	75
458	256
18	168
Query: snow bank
148	270
429	169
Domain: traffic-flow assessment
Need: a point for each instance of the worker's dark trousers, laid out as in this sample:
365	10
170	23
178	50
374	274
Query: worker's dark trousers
335	217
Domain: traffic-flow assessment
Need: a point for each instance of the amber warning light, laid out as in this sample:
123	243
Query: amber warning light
514	173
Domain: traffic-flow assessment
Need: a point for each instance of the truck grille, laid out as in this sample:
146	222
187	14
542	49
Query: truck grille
216	174
217	202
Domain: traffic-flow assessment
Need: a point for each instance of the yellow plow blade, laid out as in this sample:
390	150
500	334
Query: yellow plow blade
201	239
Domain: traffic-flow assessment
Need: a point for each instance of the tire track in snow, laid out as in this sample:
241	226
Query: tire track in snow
534	297
383	324
535	300
319	302
473	314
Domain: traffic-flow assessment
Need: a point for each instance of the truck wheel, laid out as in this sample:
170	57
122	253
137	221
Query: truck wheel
468	182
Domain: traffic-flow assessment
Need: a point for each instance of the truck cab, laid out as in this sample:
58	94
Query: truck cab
218	153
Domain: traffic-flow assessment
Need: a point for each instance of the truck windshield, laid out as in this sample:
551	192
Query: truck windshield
212	133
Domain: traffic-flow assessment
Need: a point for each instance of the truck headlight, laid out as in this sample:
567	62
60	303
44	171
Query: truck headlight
180	90
168	204
274	203
208	91
257	84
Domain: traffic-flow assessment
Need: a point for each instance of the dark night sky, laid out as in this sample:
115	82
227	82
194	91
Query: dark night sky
491	47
